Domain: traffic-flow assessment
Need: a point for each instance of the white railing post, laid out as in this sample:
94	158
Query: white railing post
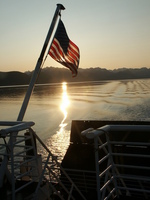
111	161
12	167
97	168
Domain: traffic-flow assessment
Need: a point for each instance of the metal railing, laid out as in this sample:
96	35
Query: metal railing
30	174
121	160
53	171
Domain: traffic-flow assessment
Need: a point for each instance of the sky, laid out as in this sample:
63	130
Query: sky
110	34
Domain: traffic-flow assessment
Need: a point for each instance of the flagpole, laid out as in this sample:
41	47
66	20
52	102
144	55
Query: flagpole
3	167
39	63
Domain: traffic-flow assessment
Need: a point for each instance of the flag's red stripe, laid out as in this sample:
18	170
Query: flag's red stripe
57	51
72	56
58	47
54	52
71	66
74	48
71	53
76	54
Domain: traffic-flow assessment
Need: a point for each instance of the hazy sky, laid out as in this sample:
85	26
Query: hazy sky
109	33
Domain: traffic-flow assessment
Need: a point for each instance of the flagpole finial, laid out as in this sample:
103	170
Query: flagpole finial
61	6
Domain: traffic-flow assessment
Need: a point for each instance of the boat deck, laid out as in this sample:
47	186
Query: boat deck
118	152
105	160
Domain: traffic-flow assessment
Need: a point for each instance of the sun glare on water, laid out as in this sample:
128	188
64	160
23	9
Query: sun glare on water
59	142
64	105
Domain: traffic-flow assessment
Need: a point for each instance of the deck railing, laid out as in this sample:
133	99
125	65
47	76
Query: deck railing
122	161
122	155
28	174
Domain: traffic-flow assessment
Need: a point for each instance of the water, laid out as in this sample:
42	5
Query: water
52	107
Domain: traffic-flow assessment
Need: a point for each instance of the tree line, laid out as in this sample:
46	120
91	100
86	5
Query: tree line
56	75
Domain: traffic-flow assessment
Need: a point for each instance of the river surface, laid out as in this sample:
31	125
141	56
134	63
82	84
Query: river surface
52	107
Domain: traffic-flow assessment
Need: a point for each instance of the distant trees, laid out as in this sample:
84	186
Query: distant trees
56	75
14	78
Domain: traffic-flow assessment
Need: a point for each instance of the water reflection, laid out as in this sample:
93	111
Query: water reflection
64	105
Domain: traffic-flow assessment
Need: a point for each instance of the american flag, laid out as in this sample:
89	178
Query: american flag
64	51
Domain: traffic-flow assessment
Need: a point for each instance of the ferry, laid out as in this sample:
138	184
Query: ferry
104	160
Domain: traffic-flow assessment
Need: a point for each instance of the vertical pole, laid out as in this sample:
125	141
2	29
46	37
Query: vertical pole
38	65
112	163
12	166
97	167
